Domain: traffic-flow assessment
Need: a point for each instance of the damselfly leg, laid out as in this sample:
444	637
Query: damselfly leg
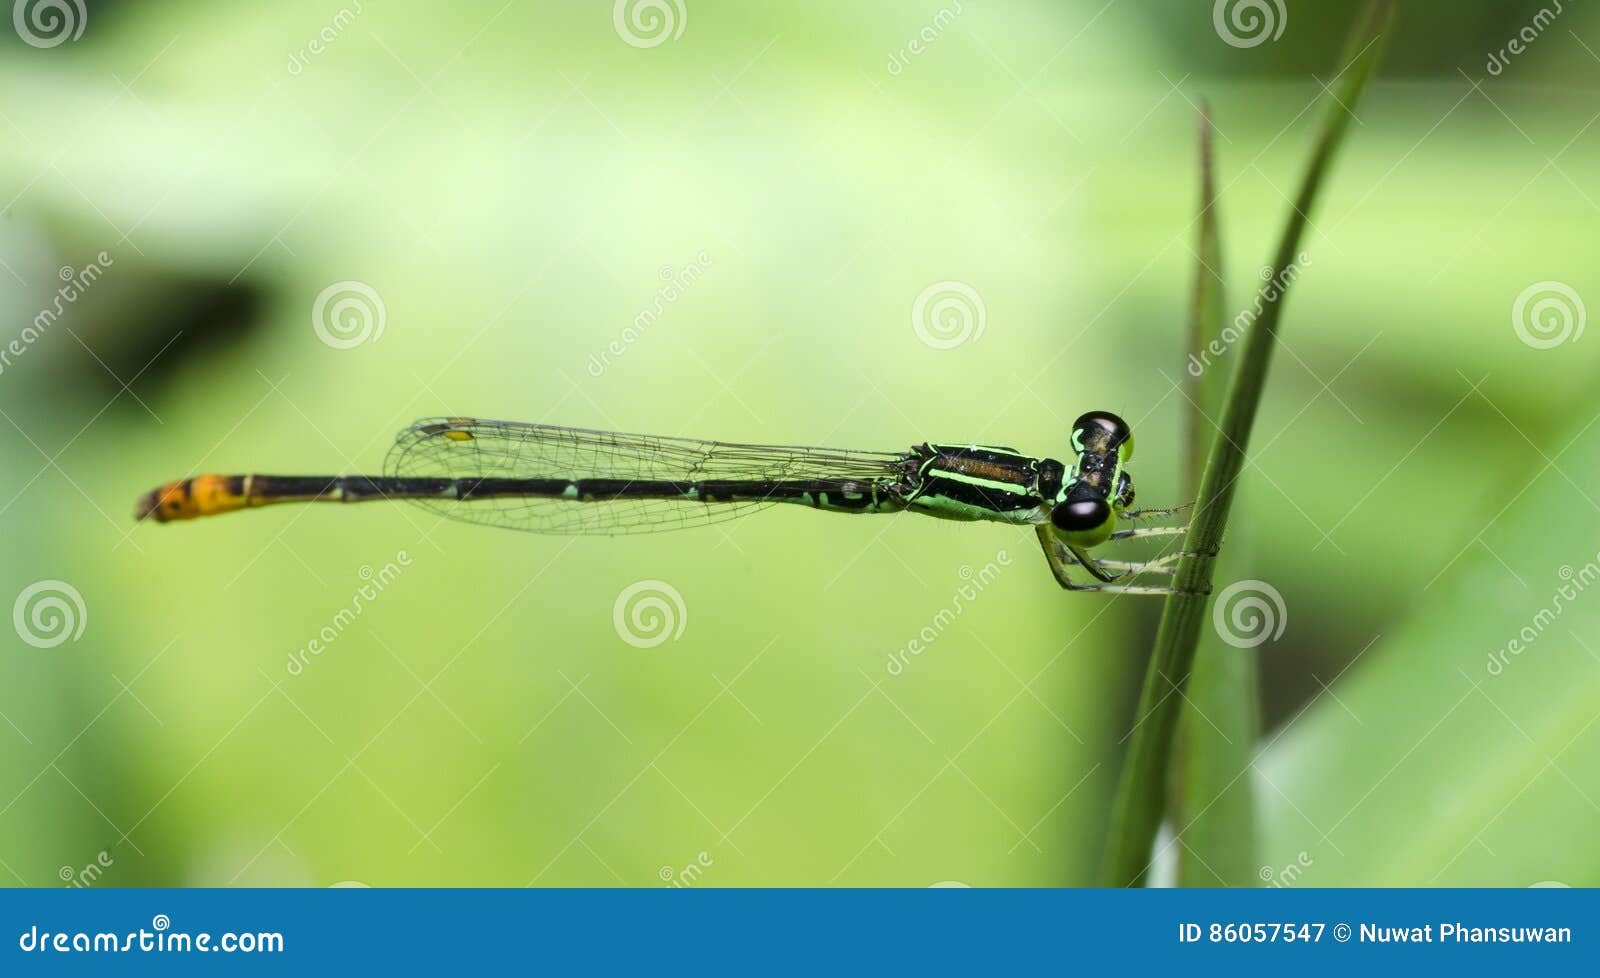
1141	514
1108	573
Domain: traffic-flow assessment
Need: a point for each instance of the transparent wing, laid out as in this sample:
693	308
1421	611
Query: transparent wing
472	448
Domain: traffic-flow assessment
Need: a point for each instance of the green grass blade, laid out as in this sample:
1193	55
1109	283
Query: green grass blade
1141	794
1206	305
1216	800
1219	726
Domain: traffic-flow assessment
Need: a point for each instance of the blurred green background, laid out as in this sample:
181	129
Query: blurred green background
516	182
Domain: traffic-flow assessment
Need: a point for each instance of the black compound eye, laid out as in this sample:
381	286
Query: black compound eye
1112	425
1117	432
1080	516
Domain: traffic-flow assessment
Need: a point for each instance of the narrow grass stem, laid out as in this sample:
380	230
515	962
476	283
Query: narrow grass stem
1142	791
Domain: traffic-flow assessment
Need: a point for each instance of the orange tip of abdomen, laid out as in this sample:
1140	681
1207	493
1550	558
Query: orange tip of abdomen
186	499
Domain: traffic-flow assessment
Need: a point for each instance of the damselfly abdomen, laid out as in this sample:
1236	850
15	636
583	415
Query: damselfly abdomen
548	479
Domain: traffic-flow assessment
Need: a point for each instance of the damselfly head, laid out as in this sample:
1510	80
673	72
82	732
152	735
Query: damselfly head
1102	432
1085	511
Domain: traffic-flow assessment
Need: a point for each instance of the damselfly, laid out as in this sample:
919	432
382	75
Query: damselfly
547	479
